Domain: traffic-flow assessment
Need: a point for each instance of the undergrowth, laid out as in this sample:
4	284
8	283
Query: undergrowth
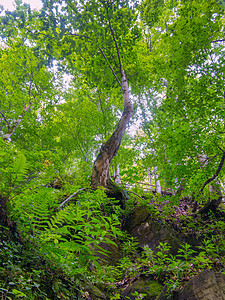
64	252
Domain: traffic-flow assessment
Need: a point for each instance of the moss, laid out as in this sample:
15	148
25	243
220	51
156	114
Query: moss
151	289
95	293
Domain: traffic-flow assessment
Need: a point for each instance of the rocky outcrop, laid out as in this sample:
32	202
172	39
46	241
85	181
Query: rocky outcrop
150	230
146	289
208	285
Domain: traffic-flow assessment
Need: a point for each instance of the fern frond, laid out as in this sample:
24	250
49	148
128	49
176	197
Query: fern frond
19	167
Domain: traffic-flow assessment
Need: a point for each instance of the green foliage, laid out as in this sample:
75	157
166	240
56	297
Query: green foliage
13	169
186	119
138	295
26	274
72	236
60	101
151	10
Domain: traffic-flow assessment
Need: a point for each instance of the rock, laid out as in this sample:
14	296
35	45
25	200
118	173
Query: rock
149	230
149	290
112	252
208	285
94	292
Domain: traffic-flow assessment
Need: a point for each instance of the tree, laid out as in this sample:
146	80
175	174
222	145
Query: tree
53	227
188	120
95	42
99	44
100	175
102	36
24	86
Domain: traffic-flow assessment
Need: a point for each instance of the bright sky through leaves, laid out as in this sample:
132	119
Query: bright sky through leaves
10	4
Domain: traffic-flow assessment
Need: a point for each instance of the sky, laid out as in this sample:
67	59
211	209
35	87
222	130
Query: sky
8	4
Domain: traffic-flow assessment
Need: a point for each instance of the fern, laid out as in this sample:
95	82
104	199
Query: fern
70	237
19	167
13	168
59	218
33	209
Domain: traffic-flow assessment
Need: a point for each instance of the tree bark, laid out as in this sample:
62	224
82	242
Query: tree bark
157	182
116	174
12	129
214	188
149	178
100	174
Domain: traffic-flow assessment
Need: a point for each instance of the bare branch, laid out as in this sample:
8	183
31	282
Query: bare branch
136	195
4	117
144	183
113	35
110	67
28	107
17	122
70	197
100	101
30	86
215	175
218	41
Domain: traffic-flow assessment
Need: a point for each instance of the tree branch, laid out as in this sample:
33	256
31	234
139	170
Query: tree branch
215	175
30	86
113	35
217	41
88	38
110	67
144	183
74	194
17	122
4	117
103	54
136	194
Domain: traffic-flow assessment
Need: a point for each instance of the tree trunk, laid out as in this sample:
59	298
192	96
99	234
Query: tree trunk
100	174
12	129
157	182
149	178
116	174
214	188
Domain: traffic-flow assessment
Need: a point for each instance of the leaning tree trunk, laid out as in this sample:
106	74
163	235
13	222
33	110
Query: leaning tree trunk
214	188
12	129
100	174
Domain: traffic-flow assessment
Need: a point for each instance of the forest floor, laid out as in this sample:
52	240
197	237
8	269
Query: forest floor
27	270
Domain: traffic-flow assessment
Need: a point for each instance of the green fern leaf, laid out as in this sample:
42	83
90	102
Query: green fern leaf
19	167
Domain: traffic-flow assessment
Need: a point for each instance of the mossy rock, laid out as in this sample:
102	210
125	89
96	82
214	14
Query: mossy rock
149	230
206	286
149	290
94	292
112	252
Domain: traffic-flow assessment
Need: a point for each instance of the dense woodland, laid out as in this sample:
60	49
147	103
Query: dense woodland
112	148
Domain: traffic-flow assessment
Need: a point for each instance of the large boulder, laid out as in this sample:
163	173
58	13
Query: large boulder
147	289
149	230
208	285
